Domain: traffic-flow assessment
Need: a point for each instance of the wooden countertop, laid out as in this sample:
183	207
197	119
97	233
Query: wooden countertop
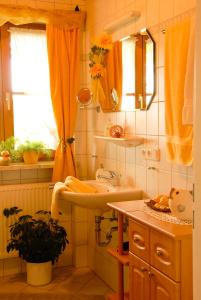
134	210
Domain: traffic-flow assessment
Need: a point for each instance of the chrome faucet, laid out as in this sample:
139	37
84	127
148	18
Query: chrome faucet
108	176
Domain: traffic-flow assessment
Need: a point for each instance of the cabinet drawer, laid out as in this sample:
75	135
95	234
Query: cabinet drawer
165	254
139	240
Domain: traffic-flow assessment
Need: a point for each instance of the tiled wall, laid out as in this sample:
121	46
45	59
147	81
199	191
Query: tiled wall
21	176
149	124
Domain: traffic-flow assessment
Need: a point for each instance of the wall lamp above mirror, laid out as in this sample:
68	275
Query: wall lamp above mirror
130	72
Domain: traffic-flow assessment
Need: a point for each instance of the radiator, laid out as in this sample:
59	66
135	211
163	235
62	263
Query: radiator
30	197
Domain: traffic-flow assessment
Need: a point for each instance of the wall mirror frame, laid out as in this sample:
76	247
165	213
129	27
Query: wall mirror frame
145	66
137	75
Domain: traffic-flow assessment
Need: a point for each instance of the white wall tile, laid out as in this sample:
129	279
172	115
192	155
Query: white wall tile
166	10
152	12
161	118
163	163
130	123
80	233
140	5
161	49
180	6
80	256
165	180
179	180
141	178
161	88
141	122
152	119
79	214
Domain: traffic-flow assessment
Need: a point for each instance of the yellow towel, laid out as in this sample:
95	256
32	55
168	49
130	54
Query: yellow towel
71	184
179	136
187	114
78	186
58	188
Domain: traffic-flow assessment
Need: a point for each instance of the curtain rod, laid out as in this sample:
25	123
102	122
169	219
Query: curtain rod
19	15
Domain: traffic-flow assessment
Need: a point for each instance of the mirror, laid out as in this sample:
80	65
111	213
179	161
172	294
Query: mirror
84	96
115	99
138	72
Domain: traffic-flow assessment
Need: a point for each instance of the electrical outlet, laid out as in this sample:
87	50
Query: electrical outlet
150	153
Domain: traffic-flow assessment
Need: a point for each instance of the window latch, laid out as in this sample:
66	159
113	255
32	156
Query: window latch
8	100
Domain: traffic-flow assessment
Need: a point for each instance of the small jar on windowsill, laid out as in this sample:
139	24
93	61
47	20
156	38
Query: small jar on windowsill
5	158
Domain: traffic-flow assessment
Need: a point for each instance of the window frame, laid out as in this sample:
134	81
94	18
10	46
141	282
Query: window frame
6	101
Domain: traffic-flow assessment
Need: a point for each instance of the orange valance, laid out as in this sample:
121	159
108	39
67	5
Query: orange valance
19	15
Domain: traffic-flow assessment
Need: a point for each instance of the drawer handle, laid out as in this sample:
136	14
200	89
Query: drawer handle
143	269
137	239
150	274
159	252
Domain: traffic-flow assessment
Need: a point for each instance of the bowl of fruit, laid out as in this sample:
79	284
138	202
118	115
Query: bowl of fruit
159	203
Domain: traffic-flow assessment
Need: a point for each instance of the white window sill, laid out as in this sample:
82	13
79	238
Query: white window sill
23	166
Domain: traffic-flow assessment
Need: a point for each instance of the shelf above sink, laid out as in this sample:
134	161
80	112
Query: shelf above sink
127	141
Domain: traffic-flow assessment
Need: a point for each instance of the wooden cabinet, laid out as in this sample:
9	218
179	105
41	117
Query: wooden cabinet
160	256
160	268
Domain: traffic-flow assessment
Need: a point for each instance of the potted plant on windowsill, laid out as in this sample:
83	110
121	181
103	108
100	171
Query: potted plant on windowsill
39	240
30	151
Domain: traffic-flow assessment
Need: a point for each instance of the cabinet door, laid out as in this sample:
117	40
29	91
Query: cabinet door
162	287
138	279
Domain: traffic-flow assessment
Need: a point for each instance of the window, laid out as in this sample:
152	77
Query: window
26	94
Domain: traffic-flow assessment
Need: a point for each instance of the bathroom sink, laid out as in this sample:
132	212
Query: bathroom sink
106	193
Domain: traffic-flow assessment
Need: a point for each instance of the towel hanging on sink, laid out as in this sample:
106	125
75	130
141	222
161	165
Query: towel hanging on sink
71	184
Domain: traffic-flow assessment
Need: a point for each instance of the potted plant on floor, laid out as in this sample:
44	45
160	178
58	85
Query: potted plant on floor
30	151
39	240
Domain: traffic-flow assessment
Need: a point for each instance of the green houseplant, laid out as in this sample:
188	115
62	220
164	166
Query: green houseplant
39	240
30	151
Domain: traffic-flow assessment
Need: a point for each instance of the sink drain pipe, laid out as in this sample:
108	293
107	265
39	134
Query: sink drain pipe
108	237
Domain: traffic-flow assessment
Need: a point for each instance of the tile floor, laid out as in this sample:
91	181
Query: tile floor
68	284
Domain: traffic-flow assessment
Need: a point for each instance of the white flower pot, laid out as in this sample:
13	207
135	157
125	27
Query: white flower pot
39	273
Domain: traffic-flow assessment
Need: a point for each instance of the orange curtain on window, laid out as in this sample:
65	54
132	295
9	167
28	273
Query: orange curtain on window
112	77
64	60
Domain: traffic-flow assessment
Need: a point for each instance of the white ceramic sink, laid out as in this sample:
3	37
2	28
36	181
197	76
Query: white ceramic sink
106	193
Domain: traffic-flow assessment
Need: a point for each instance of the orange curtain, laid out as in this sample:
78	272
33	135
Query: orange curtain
64	59
112	77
